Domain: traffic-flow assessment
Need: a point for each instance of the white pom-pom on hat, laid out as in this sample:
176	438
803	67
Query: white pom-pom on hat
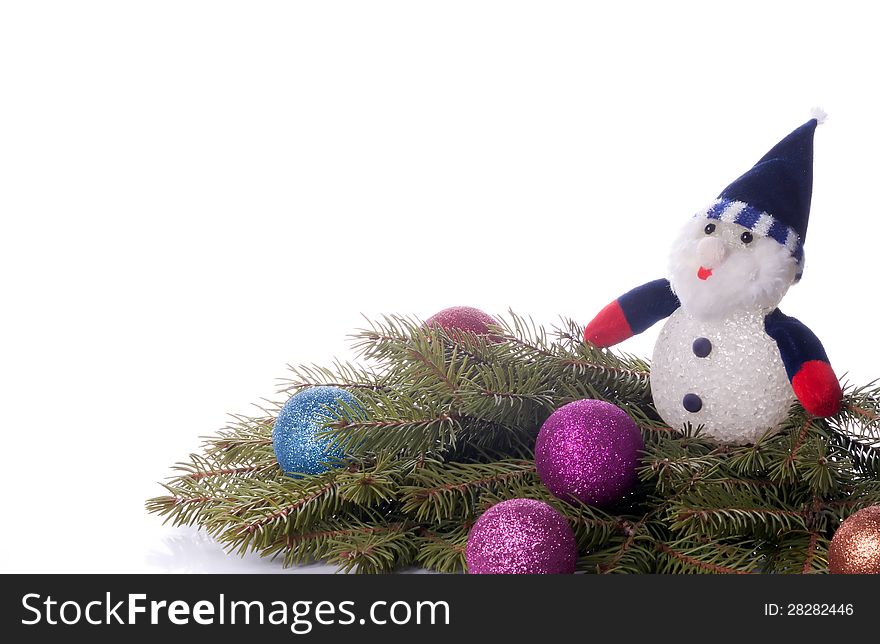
819	114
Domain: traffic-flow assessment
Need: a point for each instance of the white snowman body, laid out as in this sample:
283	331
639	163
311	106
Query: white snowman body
725	374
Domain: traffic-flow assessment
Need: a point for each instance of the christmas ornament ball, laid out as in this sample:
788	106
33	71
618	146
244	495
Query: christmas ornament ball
855	547
298	448
462	318
588	450
521	537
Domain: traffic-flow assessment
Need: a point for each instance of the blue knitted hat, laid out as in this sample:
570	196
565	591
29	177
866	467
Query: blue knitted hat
773	198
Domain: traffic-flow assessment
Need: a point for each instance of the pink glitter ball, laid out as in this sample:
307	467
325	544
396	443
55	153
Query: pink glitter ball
588	450
463	318
521	537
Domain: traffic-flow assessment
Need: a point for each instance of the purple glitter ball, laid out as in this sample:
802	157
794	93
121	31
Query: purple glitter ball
521	537
589	450
463	318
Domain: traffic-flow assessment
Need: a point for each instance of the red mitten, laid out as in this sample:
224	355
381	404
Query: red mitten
609	327
818	389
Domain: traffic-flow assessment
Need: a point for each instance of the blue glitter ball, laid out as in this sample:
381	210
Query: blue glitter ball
298	447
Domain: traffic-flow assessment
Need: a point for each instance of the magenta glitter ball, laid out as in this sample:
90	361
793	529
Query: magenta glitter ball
589	450
463	318
521	537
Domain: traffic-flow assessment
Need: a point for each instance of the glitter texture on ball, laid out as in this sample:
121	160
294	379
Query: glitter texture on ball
521	537
588	451
855	547
462	318
298	448
740	382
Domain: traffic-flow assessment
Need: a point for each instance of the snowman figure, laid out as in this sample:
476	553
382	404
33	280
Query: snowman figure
728	359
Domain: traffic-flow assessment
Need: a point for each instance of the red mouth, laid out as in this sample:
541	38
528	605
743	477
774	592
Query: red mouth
704	273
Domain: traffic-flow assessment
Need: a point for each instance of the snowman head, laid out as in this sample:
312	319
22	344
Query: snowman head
718	268
746	249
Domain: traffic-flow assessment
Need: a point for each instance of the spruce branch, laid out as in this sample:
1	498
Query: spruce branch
376	552
630	551
702	557
344	375
244	441
439	491
732	519
799	552
442	546
320	542
200	467
445	426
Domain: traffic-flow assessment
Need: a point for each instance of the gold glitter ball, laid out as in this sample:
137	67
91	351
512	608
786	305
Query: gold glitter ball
855	548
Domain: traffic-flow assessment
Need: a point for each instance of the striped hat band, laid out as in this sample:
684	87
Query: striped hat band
760	223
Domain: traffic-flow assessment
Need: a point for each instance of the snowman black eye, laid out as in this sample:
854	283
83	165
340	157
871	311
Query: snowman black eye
746	237
710	228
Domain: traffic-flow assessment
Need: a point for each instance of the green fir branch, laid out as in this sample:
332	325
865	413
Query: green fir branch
725	557
442	547
439	491
445	425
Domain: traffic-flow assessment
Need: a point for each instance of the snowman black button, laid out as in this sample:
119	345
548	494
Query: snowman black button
692	403
702	347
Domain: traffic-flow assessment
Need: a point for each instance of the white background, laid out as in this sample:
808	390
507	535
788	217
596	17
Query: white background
194	194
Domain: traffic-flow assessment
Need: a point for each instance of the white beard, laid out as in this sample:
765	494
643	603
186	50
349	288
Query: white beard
753	277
